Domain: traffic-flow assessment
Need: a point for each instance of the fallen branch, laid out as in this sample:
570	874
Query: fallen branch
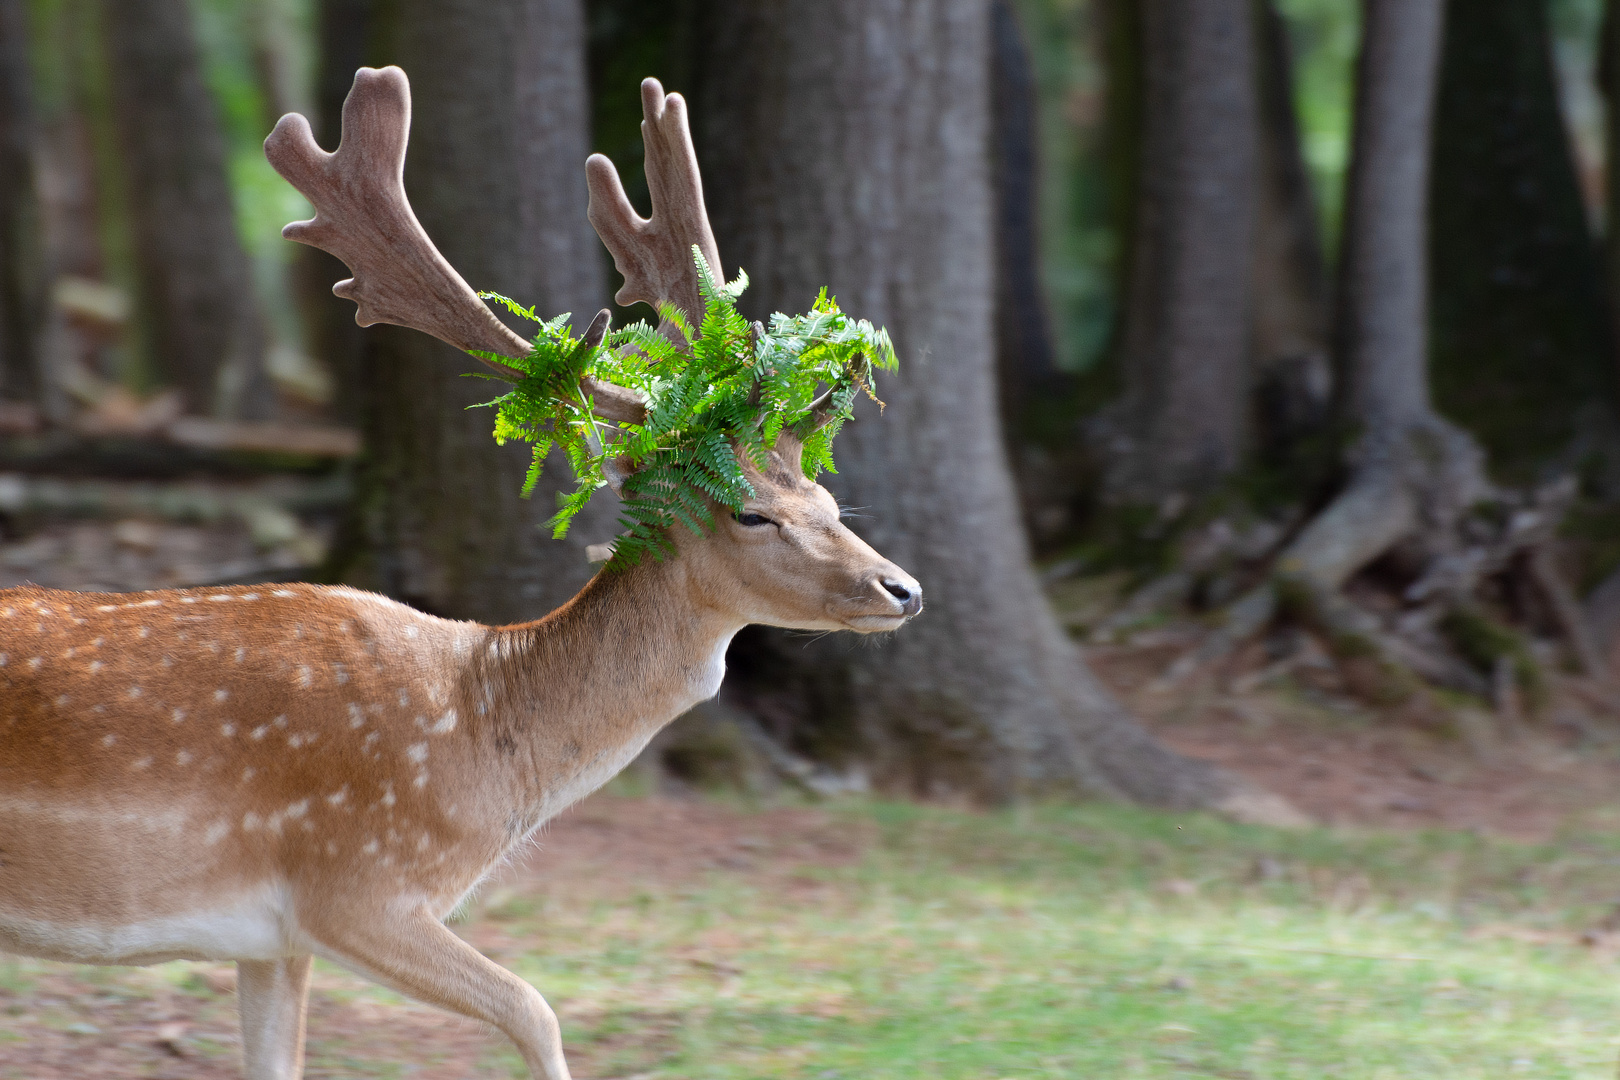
267	438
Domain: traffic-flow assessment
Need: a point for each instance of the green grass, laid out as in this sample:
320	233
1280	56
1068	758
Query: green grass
1101	942
1083	942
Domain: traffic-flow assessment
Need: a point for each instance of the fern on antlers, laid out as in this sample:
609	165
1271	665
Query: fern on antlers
725	390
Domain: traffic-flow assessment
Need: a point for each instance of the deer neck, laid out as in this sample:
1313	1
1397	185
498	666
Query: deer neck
571	699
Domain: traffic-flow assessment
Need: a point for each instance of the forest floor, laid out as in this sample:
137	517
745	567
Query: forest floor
1344	762
1455	912
699	938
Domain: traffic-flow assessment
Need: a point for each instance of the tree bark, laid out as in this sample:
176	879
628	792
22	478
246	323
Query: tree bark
496	174
1181	425
21	256
1522	355
197	309
865	168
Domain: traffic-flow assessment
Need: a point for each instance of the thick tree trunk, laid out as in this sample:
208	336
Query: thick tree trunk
1181	425
496	174
1522	355
21	256
1412	468
865	168
1293	371
197	309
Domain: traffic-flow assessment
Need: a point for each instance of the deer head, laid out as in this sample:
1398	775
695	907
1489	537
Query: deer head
786	560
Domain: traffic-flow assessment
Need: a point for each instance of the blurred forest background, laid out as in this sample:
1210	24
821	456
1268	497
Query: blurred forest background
1257	355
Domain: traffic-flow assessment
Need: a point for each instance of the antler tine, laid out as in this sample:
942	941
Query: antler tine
363	217
655	254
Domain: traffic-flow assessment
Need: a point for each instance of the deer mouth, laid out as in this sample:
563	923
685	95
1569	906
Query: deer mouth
876	623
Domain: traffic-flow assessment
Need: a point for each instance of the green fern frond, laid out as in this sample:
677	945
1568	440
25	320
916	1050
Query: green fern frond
715	397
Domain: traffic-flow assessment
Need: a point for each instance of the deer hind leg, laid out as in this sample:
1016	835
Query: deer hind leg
417	955
270	996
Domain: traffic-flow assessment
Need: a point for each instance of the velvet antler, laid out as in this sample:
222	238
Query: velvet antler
363	217
655	254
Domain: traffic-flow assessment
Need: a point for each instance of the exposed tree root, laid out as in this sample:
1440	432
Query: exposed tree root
1431	504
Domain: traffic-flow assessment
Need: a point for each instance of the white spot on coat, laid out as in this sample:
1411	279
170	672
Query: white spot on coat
417	752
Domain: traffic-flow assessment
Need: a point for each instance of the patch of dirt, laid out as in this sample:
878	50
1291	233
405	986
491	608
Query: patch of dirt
1345	762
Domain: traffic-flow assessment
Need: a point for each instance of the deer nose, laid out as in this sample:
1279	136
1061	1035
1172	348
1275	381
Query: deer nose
908	592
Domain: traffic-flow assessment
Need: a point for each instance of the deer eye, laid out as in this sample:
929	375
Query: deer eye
753	519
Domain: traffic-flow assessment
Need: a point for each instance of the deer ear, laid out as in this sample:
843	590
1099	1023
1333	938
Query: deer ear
790	449
616	470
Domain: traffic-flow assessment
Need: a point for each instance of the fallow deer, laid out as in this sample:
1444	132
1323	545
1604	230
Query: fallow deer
269	773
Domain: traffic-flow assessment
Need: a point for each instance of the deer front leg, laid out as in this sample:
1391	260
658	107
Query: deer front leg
417	955
270	997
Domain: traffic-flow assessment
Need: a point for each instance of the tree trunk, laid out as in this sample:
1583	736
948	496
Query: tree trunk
342	37
1024	360
21	256
197	309
1412	474
1293	372
865	168
1609	78
1181	425
1522	355
1413	471
496	174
